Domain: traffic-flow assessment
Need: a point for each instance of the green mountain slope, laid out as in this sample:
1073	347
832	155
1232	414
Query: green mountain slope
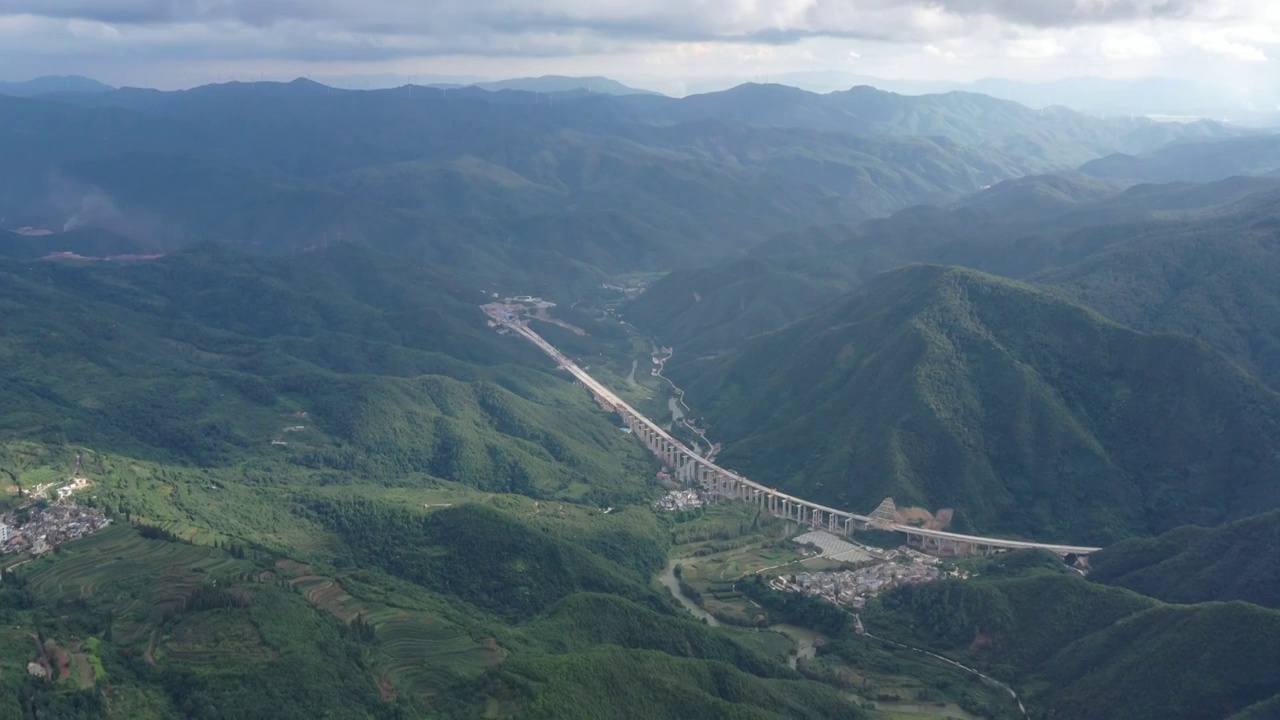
1235	647
494	184
326	469
1189	259
1026	414
1083	650
1213	280
1196	564
1192	161
205	357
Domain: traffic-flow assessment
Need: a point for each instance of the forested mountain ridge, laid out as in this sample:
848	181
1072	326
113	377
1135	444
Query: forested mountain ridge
504	185
1084	650
1184	258
327	469
203	358
1213	280
500	187
1051	138
1203	160
244	317
1198	564
1027	414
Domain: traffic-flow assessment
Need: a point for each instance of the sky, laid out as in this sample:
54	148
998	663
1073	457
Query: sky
673	46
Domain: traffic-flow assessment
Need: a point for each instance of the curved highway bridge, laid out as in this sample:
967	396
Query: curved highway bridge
691	468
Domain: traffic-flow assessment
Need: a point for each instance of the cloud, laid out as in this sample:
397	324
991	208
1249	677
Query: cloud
1068	13
141	12
978	36
1130	47
1218	44
773	22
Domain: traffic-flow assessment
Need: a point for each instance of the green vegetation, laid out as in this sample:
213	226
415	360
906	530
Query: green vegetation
1191	259
484	556
185	630
1195	564
1026	414
1081	649
548	198
380	369
1212	280
336	492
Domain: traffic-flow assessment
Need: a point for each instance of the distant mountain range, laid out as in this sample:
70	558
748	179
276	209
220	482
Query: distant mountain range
513	186
1051	138
1193	161
1161	97
1177	257
248	314
558	84
1153	96
51	84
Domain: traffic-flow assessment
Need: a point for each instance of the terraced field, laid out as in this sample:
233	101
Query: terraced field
210	638
328	595
421	655
137	579
418	652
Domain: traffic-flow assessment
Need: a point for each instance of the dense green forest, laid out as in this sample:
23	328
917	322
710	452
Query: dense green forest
350	362
1085	650
246	317
1189	259
1198	564
947	388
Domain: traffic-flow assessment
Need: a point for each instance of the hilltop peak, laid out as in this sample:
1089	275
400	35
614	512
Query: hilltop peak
50	84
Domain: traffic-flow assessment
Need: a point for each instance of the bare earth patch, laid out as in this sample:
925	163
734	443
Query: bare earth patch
544	316
979	641
925	519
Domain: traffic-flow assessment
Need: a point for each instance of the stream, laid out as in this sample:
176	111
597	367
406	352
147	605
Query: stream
676	404
966	668
668	578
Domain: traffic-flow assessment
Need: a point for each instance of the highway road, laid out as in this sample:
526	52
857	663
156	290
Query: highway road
610	398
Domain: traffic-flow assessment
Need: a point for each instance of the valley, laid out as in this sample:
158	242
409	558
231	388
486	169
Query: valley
755	404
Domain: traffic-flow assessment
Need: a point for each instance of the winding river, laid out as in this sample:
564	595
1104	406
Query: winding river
668	578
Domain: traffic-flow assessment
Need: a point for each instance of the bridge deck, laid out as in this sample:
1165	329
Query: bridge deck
607	396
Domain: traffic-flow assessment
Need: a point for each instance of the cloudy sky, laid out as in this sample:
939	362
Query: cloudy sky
671	45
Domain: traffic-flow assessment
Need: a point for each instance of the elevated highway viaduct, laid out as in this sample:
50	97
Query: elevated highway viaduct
692	469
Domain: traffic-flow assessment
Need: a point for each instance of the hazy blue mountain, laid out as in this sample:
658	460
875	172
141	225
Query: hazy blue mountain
1166	97
1192	161
53	84
561	83
1052	138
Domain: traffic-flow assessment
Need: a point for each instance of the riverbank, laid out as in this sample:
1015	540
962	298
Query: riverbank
671	582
